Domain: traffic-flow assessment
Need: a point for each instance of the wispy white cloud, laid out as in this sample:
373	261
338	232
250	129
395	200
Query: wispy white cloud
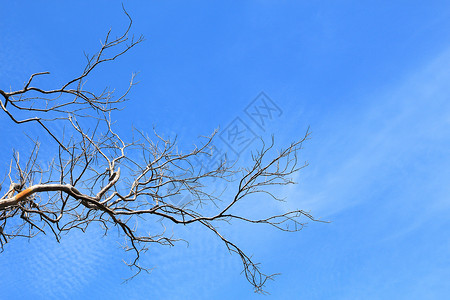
395	134
55	271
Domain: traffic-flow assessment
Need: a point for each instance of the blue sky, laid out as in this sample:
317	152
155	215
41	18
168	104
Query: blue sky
371	78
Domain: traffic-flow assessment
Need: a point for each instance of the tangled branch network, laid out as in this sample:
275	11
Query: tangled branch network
96	176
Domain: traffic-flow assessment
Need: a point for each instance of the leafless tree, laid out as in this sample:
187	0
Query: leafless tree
97	176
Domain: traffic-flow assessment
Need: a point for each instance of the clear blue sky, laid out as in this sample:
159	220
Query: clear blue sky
371	78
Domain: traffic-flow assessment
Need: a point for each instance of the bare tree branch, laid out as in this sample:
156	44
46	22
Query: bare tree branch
99	177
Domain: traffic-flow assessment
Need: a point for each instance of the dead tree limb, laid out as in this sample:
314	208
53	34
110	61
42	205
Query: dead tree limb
99	177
